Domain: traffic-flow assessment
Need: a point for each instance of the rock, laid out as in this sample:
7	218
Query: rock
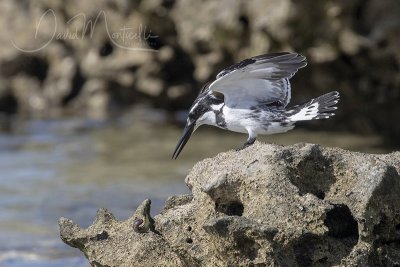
177	201
108	242
267	205
351	46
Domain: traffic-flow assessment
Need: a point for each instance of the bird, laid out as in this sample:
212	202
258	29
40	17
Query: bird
251	97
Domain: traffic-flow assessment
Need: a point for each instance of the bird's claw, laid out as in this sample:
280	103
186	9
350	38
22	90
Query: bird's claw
247	144
242	147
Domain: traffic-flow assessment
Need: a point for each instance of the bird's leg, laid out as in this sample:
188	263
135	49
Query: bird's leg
248	143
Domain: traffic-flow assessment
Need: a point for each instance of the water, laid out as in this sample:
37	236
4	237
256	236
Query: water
70	168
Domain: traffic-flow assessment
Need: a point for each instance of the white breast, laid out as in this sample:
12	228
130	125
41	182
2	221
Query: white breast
239	120
247	121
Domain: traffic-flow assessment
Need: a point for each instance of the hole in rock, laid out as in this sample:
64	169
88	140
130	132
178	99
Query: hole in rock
30	65
244	20
154	41
189	228
313	174
102	236
77	83
341	223
106	49
323	260
168	4
247	246
230	208
320	195
189	240
8	104
36	67
203	46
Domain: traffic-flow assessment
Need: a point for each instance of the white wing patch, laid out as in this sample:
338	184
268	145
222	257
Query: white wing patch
217	107
306	113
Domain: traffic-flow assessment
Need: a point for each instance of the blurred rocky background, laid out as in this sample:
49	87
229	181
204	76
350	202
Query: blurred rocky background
97	58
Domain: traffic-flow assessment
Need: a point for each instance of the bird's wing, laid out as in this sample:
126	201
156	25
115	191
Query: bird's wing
258	80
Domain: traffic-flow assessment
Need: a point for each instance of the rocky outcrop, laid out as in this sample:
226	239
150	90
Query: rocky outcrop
87	66
267	205
108	242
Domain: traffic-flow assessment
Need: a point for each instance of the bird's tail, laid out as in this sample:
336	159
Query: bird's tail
316	108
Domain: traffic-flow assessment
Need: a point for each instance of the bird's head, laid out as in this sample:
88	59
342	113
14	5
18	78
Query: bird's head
201	112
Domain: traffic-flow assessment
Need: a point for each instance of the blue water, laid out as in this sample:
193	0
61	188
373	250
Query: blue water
53	169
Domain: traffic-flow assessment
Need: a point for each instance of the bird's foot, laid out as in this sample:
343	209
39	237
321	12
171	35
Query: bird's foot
248	143
241	148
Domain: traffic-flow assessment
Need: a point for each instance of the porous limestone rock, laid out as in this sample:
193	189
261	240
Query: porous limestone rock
267	205
108	242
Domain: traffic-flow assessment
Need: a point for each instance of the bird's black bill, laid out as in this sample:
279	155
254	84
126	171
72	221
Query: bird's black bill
187	132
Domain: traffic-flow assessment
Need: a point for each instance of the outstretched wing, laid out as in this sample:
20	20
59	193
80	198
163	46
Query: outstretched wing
258	80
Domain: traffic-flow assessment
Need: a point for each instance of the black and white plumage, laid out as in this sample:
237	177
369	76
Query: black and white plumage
251	97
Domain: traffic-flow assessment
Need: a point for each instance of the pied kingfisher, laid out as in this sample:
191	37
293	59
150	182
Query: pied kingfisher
251	97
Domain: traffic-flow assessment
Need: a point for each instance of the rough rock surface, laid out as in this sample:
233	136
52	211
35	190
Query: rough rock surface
267	205
352	47
108	242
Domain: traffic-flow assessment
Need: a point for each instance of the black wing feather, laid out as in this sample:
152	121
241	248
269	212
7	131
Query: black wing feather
289	63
